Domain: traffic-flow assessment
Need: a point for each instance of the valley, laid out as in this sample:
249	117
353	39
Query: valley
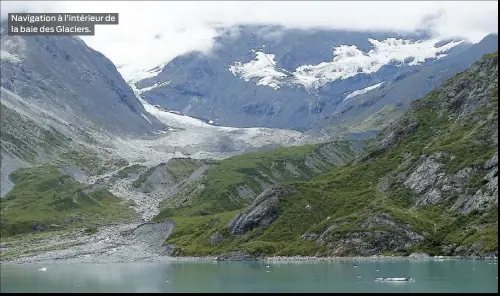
110	167
93	171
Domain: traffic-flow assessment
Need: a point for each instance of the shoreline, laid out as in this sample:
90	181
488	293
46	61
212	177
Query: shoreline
347	258
272	259
108	246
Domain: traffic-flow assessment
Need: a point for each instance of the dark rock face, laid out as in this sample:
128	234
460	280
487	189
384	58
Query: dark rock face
309	236
262	212
382	232
396	132
62	74
474	251
216	238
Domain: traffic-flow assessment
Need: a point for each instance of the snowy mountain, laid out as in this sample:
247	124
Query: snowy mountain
288	78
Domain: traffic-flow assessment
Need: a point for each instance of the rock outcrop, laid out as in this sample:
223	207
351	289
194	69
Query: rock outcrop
153	234
262	212
375	234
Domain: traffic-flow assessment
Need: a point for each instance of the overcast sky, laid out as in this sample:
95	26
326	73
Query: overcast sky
185	26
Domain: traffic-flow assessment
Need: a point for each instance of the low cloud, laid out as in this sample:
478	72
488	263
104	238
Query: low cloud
151	33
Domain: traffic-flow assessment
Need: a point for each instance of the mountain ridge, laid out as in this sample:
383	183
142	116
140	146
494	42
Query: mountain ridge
242	103
400	96
73	81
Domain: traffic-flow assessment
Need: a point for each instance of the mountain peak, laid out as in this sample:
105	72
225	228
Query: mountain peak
74	81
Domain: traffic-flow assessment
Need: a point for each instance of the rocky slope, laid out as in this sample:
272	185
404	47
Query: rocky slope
74	82
57	96
428	184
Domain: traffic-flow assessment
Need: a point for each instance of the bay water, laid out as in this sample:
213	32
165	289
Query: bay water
207	276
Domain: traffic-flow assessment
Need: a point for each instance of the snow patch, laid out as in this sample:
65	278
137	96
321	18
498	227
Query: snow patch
132	74
145	117
5	55
262	67
348	62
363	91
174	120
158	84
12	49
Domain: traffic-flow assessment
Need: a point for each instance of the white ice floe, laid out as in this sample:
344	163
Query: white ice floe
395	279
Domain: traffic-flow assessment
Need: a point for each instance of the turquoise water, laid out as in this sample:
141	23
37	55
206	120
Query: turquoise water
334	276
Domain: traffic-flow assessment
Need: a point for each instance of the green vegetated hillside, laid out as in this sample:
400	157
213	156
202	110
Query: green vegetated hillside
428	183
39	162
45	196
45	199
233	183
